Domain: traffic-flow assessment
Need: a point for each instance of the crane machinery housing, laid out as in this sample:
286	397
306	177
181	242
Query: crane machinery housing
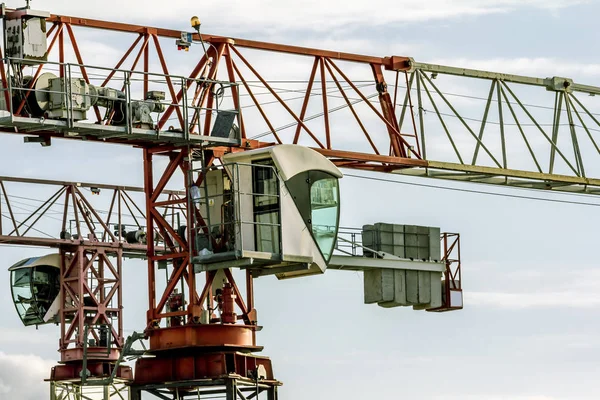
250	203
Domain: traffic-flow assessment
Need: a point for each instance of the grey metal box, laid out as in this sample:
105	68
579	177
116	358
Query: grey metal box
423	240
400	287
410	229
368	239
424	287
399	251
386	248
435	292
368	236
399	291
378	285
411	240
411	252
412	287
380	226
436	289
385	237
423	253
398	239
406	241
424	230
435	250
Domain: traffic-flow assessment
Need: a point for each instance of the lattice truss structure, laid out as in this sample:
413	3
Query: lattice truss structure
450	123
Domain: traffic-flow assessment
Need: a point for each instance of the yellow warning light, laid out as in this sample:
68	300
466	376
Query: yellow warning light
195	21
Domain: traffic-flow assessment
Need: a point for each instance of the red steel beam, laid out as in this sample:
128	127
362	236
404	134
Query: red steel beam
110	210
93	211
165	69
171	284
412	114
307	97
49	203
12	216
122	60
210	277
349	103
325	106
256	102
146	66
149	189
61	51
398	150
395	62
171	168
81	184
81	66
5	82
196	71
274	93
399	162
234	91
388	111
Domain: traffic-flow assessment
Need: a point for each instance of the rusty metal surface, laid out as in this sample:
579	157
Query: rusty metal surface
453	274
216	365
91	305
72	372
204	336
75	355
397	62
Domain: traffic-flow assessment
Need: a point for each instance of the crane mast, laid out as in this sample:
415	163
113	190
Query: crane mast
200	131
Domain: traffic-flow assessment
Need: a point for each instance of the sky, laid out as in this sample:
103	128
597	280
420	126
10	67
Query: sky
530	324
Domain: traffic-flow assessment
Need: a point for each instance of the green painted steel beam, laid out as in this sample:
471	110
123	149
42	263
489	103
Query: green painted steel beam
552	84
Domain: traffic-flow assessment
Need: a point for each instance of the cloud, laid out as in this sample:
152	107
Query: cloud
11	336
568	299
534	288
21	376
568	341
497	397
267	15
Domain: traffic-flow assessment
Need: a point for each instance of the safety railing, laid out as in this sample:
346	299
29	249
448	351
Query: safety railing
350	242
117	103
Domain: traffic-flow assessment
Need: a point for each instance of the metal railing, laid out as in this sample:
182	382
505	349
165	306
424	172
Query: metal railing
68	102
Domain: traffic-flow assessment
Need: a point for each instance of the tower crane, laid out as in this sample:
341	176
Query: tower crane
223	198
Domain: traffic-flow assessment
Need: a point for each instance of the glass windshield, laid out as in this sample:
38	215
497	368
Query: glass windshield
23	296
33	291
324	205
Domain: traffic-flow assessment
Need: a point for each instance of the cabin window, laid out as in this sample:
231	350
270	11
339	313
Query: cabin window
317	197
21	291
33	290
266	207
324	206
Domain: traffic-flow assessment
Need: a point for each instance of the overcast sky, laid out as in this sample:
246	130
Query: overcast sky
529	330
